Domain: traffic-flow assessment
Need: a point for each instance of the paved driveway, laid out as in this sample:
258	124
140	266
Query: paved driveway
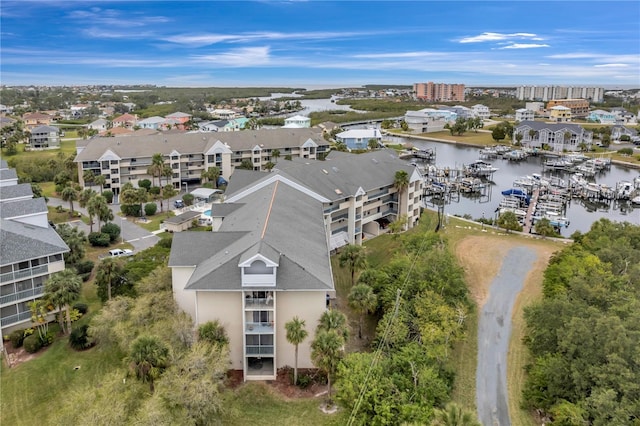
133	234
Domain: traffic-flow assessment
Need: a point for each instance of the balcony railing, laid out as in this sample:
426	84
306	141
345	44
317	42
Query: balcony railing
259	350
25	294
24	273
259	327
12	319
255	302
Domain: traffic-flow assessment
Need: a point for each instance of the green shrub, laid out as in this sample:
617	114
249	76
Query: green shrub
83	308
47	339
213	333
112	229
304	381
32	344
16	337
108	195
79	340
130	209
165	242
84	267
150	209
188	199
626	151
99	239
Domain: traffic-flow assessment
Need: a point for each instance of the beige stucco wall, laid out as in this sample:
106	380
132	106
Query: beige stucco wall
185	299
306	305
226	307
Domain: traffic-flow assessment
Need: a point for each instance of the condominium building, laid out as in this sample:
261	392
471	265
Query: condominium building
31	250
579	107
547	93
558	137
127	159
270	259
439	92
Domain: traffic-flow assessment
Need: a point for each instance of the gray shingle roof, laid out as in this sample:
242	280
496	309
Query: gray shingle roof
22	208
184	217
185	143
554	127
346	172
19	241
11	192
6	174
276	219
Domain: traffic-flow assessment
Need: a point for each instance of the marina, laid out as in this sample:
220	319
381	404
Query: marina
577	191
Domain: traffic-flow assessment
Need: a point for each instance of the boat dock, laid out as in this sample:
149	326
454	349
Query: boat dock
528	220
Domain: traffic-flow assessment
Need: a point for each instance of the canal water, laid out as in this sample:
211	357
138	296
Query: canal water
581	213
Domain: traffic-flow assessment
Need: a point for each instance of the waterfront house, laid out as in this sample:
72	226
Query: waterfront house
297	122
602	116
428	120
558	137
359	138
481	111
618	131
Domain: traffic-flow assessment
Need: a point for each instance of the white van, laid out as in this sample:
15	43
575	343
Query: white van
120	252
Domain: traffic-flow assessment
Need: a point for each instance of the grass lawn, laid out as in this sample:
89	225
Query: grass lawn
153	222
257	404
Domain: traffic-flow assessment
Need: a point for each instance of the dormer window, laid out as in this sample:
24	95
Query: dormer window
258	271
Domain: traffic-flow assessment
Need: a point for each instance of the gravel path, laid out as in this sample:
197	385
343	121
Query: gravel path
494	330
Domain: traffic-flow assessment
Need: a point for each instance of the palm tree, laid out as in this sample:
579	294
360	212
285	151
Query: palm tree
519	137
84	199
275	154
363	300
62	289
69	194
354	257
295	335
155	169
454	415
98	206
211	174
100	180
332	319
532	134
147	358
88	177
326	353
168	191
401	182
167	172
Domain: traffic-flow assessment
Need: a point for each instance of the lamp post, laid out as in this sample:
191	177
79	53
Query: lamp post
482	221
122	229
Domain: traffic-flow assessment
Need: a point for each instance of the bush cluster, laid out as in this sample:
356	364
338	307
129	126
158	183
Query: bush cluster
79	340
16	337
83	308
112	229
32	344
99	239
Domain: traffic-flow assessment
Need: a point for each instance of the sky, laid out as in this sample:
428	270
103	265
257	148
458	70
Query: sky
319	43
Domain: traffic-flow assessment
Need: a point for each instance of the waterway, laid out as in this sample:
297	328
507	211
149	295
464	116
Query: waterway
581	213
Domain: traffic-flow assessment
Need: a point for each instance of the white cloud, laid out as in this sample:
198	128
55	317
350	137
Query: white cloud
243	57
487	36
114	18
611	66
204	39
524	46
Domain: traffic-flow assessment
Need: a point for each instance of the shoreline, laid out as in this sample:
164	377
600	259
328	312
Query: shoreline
431	139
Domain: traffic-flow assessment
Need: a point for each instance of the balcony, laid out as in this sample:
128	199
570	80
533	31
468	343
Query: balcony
24	273
12	319
259	350
25	294
258	303
259	327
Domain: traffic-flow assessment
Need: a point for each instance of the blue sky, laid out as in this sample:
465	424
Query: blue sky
319	43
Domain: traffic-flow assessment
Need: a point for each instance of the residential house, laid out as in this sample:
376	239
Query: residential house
359	138
481	111
253	277
558	137
126	159
428	120
36	119
44	137
579	107
179	119
524	114
31	251
623	116
154	123
223	114
618	131
459	110
536	107
560	114
125	120
297	122
100	125
232	125
602	116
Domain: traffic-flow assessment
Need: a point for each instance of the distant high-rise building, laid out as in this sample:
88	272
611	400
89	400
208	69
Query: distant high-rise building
441	92
547	93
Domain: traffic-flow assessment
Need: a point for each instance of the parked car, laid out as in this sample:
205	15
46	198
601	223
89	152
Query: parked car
178	204
120	252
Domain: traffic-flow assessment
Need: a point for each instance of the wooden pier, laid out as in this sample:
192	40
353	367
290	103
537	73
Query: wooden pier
528	220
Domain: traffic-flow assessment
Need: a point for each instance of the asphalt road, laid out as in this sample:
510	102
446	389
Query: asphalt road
133	234
494	331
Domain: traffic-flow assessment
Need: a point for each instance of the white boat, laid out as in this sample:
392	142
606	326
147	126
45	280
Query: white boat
636	201
480	169
554	218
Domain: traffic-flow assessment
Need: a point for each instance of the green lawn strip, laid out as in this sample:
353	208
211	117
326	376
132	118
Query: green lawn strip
32	391
257	404
465	361
153	222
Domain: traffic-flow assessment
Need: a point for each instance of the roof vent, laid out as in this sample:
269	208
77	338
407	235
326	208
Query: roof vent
325	171
338	191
